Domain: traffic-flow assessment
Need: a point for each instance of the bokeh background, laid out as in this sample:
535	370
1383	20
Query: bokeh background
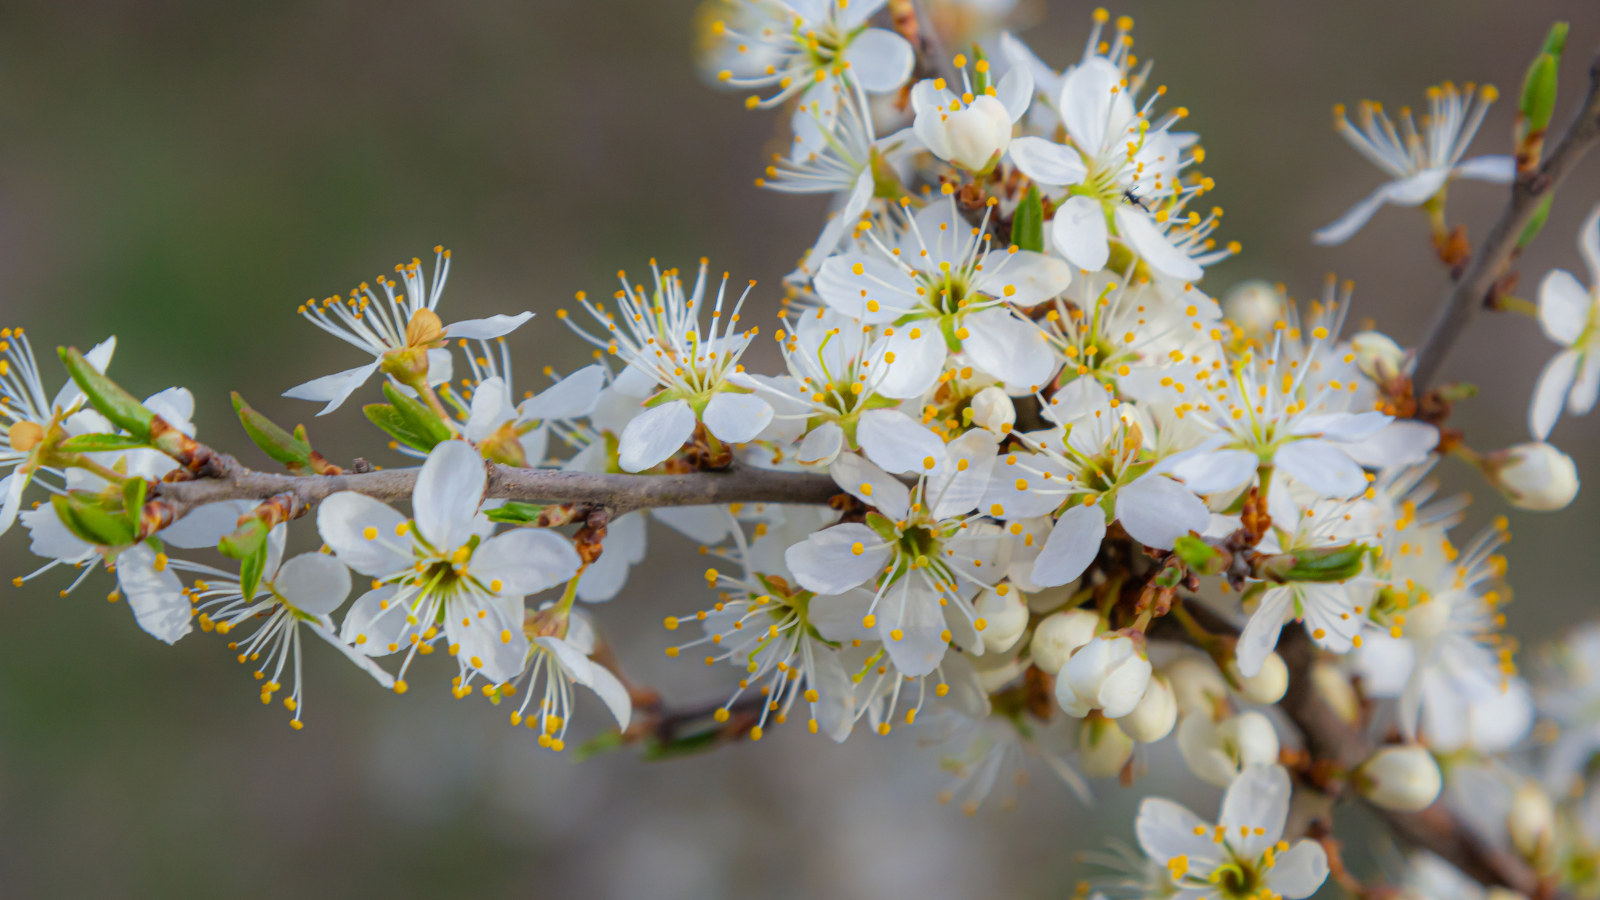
182	174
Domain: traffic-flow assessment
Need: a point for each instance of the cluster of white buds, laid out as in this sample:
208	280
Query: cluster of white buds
1053	465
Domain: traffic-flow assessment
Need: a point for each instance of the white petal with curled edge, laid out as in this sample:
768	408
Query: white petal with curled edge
1010	349
487	329
1166	830
448	493
827	563
1495	169
156	598
821	446
1401	443
1298	872
871	485
332	389
206	525
657	433
736	418
568	398
1322	467
343	520
1093	104
1551	392
842	289
1079	233
1145	239
702	524
1260	635
325	631
1217	470
1563	307
51	539
898	443
879	60
1072	545
1156	511
1032	277
918	362
611	693
1342	426
1344	228
524	561
959	487
98	358
491	408
314	583
1259	799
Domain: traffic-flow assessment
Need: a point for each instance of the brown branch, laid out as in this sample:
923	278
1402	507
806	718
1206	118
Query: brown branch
1494	257
618	494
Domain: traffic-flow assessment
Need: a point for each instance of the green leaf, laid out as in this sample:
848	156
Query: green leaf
1556	41
600	743
881	524
1027	224
133	494
248	544
106	396
515	512
1324	564
418	418
85	516
289	449
100	443
389	419
251	569
1539	92
1536	224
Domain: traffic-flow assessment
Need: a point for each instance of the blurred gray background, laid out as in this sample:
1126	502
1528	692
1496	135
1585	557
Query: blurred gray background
182	174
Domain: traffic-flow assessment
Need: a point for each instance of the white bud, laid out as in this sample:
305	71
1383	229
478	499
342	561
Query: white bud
972	135
1377	356
1057	636
993	410
1334	687
1531	821
1403	777
1268	685
1005	617
1102	747
1217	752
1254	306
1155	715
1110	673
1533	476
1196	683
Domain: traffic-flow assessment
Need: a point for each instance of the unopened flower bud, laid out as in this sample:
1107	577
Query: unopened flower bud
1110	673
1403	778
1254	306
1217	752
1266	686
1058	635
1378	356
1334	687
1005	615
1197	685
1531	821
1102	747
1533	476
993	410
1155	715
972	136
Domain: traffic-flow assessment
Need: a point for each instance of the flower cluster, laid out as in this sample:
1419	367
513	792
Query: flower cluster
1078	503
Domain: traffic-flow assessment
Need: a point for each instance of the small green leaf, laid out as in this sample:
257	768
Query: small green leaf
418	418
289	449
1324	564
106	396
248	544
515	512
133	494
85	516
1027	224
1539	93
251	569
1536	224
600	743
100	443
389	419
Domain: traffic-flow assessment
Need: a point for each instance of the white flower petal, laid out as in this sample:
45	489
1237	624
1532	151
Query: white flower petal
1342	426
375	625
871	485
491	408
1156	511
332	389
827	563
1015	91
1031	277
1495	169
1299	871
1416	190
1259	800
524	561
821	445
448	493
98	358
917	362
1345	227
657	433
1167	830
568	398
1072	545
156	598
492	643
701	524
1551	392
1093	105
898	443
1260	635
486	329
314	583
963	481
1146	240
1587	385
1588	245
879	60
1401	443
343	521
1079	233
847	292
1010	349
1047	162
914	611
1564	307
736	418
1218	470
1321	466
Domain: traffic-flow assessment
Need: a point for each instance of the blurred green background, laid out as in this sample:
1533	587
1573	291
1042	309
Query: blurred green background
182	174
